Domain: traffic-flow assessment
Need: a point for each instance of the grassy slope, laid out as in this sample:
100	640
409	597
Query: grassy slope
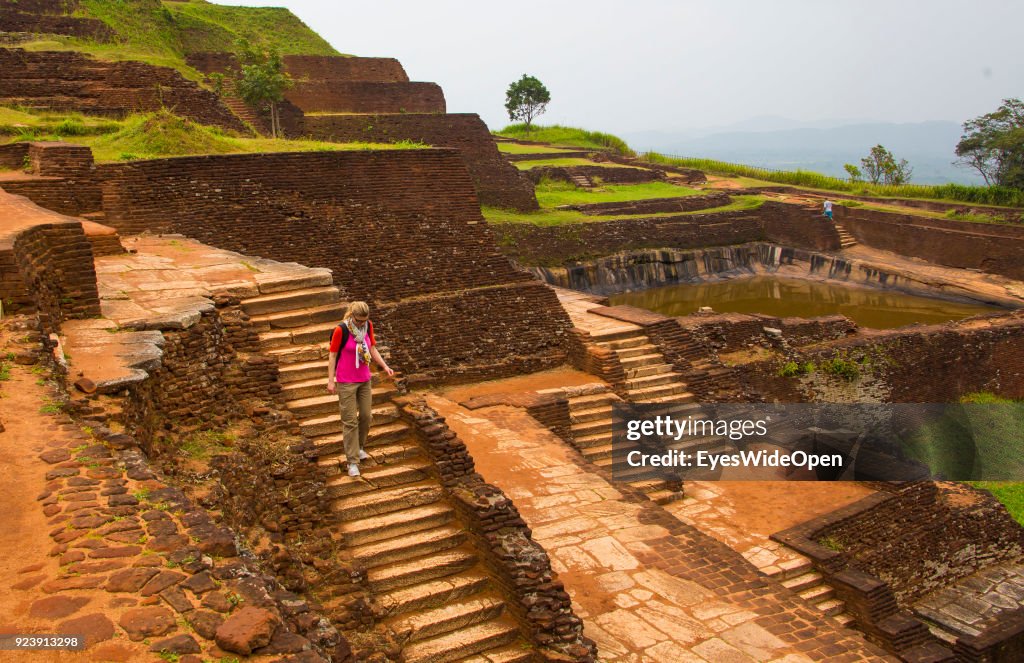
163	33
564	163
162	134
567	136
516	148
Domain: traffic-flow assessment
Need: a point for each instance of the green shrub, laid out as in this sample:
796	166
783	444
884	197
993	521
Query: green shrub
842	368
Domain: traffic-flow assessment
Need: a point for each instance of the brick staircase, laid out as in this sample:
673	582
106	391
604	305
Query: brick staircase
649	378
429	589
846	240
582	181
801	578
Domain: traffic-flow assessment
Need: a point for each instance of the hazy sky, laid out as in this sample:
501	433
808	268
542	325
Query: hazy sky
677	64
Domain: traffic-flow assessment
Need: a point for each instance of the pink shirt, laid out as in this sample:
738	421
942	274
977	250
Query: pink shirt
347	371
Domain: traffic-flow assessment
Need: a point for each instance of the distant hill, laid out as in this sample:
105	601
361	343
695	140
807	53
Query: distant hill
928	146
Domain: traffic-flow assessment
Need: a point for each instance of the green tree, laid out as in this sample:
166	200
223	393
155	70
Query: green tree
526	99
993	144
262	81
853	172
881	167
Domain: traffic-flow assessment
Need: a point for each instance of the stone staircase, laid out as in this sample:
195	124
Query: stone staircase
429	589
800	577
846	240
649	378
582	181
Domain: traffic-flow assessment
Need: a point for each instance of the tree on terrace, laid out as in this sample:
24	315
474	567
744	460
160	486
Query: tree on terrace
262	81
881	167
993	144
526	99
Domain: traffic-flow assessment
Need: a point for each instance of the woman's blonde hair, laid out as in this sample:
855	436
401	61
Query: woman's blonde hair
362	309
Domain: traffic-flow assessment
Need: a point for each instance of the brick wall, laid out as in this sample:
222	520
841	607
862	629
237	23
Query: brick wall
555	245
656	205
991	248
498	183
401	229
609	175
367	97
798	226
65	181
90	28
313	67
65	80
49	268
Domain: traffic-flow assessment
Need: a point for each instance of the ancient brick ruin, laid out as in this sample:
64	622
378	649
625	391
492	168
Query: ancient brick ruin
186	463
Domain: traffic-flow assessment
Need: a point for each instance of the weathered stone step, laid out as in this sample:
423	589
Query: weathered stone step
420	569
818	594
594	427
316	387
648	370
303	371
679	398
627	354
290	300
591	401
845	619
325	425
462	643
588	441
831	607
401	548
641	360
517	652
660	391
803	582
393	437
430	594
298	317
378	476
303	279
597	452
595	414
634	384
325	402
318	334
290	355
445	619
632	338
396	523
665	496
793	568
386	500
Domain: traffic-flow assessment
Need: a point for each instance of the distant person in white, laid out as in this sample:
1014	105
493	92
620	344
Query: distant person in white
828	209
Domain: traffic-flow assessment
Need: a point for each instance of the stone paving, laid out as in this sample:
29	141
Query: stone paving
165	282
959	609
648	587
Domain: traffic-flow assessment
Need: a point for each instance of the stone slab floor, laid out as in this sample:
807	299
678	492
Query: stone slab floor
648	587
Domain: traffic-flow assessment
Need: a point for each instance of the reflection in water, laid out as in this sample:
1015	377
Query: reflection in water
879	309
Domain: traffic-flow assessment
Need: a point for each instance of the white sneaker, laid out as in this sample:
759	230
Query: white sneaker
363	455
353	470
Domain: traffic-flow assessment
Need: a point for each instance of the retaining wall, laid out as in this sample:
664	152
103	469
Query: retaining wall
401	229
66	80
498	183
991	248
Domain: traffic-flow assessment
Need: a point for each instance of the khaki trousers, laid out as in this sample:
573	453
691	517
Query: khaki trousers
355	399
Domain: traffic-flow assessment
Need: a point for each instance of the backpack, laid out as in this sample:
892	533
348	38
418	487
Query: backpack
345	333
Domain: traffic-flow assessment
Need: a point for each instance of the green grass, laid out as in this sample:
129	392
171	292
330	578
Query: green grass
555	217
979	195
163	33
29	124
516	148
163	134
1010	493
564	163
567	136
552	193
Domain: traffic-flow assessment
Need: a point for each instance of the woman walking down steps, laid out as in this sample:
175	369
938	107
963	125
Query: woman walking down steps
348	374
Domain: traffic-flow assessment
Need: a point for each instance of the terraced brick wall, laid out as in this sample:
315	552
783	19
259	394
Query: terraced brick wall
992	248
554	245
49	268
401	229
367	97
65	80
304	68
497	182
